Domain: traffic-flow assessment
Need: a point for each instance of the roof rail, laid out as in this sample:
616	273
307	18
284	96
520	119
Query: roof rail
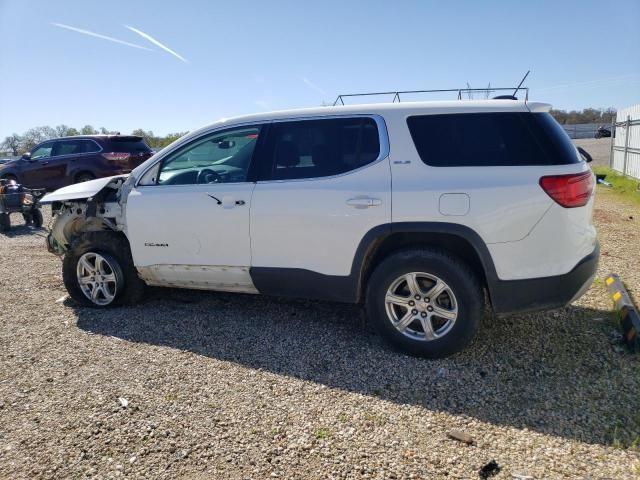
459	91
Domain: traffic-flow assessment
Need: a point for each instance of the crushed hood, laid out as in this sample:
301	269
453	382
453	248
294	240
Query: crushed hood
79	191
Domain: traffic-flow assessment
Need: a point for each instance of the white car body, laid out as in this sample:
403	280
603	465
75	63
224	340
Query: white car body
314	229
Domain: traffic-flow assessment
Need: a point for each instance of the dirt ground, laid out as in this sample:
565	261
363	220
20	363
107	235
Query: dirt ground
210	385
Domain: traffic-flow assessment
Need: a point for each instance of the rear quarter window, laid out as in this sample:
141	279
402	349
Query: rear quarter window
130	146
491	139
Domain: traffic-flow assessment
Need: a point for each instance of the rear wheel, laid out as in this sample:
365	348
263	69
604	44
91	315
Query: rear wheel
36	218
84	177
98	271
5	222
425	302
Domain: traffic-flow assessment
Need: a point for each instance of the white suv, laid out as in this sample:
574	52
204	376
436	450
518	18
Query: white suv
413	209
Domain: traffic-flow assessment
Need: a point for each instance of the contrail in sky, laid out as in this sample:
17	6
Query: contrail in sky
313	86
157	43
97	35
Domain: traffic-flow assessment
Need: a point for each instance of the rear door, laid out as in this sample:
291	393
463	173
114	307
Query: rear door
323	185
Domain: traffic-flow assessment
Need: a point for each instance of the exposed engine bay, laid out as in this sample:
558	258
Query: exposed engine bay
87	207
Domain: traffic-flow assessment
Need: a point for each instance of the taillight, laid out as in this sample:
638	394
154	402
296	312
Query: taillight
116	156
569	191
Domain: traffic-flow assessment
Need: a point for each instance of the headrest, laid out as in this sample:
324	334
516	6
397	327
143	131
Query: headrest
287	154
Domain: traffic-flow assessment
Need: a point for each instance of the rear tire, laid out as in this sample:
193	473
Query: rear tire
106	271
84	177
5	222
36	218
425	302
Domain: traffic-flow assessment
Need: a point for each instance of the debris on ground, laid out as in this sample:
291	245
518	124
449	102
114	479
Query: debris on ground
461	437
489	470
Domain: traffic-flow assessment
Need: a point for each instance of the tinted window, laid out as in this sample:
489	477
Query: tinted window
490	139
89	146
320	148
220	157
68	147
128	144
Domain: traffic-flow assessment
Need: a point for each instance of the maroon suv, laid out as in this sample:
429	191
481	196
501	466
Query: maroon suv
63	161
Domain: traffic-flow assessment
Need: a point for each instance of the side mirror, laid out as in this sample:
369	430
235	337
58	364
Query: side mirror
584	154
26	156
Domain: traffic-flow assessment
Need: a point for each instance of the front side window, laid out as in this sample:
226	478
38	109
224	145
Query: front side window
43	151
222	157
321	148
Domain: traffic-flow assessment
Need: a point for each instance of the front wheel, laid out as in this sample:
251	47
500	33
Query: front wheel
98	271
425	302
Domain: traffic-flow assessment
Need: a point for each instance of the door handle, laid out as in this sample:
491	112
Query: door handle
227	201
364	202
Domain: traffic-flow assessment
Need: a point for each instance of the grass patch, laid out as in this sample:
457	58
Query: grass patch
323	433
622	186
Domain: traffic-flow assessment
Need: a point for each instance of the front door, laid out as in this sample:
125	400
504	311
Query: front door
44	169
189	227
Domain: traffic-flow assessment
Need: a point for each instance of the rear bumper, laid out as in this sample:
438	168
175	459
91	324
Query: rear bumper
510	296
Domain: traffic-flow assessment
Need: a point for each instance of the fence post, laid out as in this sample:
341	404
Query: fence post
613	126
626	144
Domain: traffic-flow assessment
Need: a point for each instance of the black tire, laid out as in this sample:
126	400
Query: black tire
115	248
461	280
84	177
36	217
5	222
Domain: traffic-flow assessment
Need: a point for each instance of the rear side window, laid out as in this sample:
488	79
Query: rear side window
74	147
89	146
128	145
491	139
321	148
67	147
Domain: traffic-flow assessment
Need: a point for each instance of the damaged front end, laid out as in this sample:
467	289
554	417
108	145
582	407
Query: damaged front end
86	207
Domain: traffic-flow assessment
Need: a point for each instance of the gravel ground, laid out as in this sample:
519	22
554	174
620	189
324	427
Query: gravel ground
209	385
598	148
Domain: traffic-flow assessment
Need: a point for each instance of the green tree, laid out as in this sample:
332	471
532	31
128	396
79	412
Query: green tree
88	130
35	135
13	143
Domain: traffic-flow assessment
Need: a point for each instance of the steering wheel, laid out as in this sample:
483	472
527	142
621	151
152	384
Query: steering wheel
206	175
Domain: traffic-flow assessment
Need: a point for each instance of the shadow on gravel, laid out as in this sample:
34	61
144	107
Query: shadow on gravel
21	229
554	373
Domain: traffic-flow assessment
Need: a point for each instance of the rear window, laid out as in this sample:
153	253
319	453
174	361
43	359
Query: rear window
491	139
130	145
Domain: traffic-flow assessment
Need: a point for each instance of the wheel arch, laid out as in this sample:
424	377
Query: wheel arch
75	175
458	240
11	174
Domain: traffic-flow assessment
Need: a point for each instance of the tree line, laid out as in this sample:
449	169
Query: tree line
16	144
588	115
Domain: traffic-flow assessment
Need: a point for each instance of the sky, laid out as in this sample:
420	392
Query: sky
171	66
